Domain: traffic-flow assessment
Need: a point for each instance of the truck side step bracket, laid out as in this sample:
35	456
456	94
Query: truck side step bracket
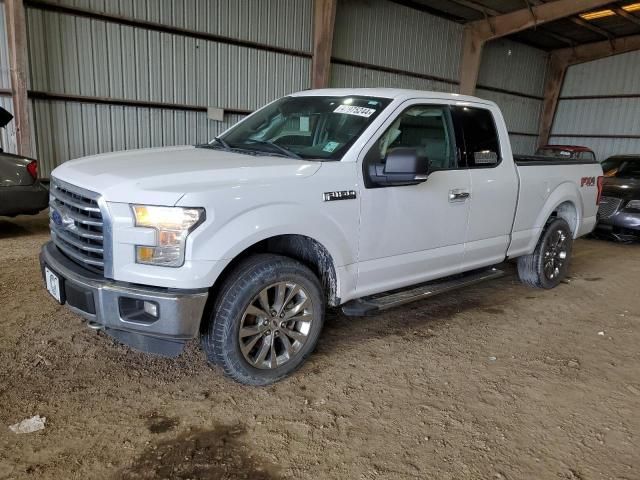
377	303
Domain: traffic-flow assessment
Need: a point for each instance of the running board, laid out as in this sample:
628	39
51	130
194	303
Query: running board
379	302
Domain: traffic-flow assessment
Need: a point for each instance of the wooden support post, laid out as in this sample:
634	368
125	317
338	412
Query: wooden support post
481	31
562	59
555	78
324	16
472	44
17	36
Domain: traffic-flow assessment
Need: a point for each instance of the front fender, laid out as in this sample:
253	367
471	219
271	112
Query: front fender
225	242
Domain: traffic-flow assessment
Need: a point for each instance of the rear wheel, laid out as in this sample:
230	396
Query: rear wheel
547	266
266	320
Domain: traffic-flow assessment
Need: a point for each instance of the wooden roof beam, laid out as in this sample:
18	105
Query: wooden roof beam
580	22
477	33
626	15
490	11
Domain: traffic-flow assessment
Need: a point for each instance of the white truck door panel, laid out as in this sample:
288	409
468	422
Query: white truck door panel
494	185
410	234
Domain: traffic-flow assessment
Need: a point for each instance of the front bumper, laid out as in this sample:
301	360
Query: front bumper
623	224
23	200
117	307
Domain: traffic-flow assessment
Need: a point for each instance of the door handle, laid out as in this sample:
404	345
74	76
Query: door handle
458	195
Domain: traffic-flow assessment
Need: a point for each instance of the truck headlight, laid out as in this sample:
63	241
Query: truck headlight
635	204
172	226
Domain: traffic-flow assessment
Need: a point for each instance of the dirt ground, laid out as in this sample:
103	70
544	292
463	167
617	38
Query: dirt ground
495	382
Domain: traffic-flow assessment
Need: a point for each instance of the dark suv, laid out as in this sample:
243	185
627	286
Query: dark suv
619	212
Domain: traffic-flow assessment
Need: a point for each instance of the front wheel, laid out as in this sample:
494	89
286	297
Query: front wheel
266	320
547	266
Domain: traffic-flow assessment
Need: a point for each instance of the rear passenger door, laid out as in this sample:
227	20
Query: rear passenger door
486	153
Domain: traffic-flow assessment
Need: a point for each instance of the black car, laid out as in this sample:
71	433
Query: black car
619	212
21	193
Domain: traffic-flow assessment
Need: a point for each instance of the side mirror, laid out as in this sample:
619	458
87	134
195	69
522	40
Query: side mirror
402	166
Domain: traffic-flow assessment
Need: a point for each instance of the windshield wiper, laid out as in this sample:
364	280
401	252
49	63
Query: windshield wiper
286	152
223	143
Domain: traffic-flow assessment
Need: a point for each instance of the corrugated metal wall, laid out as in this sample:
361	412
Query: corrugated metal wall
383	44
284	23
75	55
602	99
8	134
5	79
379	32
516	72
377	43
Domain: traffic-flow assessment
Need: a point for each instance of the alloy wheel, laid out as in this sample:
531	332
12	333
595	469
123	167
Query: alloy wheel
555	254
276	324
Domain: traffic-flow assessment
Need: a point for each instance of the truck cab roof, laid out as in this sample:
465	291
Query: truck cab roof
392	93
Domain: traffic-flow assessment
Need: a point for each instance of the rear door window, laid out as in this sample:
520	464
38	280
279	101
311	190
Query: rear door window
480	146
588	156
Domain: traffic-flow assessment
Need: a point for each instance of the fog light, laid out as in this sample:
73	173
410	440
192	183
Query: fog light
151	308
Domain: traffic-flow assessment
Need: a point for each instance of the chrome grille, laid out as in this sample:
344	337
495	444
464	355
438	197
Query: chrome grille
608	206
77	226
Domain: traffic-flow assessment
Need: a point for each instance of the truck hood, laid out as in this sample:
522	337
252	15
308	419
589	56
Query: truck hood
620	187
161	176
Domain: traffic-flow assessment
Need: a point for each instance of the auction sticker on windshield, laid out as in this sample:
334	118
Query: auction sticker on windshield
353	110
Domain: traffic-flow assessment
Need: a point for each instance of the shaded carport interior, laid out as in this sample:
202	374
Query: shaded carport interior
550	35
594	33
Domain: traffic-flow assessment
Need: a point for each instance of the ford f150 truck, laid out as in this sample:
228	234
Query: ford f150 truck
360	198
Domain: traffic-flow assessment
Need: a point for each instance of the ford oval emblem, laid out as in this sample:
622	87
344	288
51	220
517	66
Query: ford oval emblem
56	217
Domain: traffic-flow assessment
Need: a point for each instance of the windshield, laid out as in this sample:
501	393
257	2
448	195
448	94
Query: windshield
610	165
628	169
315	127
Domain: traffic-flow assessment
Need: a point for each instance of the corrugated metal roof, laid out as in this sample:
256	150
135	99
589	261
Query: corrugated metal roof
616	75
379	32
513	66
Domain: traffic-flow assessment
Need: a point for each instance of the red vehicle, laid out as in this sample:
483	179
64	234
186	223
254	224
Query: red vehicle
567	151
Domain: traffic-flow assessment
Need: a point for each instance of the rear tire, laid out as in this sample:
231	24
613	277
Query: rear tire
266	320
547	266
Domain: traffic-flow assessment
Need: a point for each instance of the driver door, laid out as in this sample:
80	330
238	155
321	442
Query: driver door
414	233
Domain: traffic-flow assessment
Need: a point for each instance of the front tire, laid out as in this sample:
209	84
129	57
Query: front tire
266	320
547	266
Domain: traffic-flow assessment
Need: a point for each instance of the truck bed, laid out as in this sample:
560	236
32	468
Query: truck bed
539	160
559	181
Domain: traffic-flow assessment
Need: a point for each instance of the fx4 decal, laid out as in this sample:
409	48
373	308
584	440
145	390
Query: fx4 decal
588	182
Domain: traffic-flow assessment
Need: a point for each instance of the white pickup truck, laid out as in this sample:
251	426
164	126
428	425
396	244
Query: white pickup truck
365	198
